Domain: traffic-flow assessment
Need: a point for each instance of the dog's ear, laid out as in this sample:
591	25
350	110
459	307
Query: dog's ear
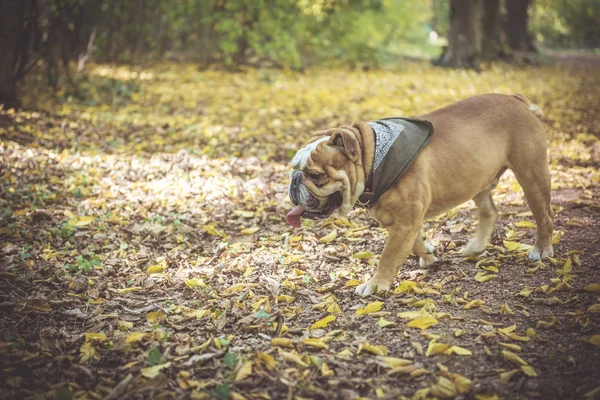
345	141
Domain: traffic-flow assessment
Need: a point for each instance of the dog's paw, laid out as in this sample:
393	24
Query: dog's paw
473	248
373	285
426	260
537	254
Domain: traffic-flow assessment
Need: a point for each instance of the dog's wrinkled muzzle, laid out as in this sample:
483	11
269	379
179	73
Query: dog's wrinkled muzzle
307	205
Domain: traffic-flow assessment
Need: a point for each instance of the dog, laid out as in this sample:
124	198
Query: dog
474	141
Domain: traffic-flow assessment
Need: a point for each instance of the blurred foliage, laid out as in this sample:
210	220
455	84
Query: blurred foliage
567	22
284	33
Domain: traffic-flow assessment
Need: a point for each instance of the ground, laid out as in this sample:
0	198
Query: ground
145	254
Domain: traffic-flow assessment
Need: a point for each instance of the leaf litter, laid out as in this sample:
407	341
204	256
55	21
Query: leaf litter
143	248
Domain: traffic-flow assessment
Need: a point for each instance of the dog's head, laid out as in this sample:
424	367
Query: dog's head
328	174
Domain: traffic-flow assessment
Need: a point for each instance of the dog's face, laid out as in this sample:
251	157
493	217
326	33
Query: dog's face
326	175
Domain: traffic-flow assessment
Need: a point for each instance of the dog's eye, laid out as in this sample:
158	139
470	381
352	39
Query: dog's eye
314	176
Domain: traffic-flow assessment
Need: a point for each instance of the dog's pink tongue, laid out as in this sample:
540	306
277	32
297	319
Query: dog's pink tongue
293	217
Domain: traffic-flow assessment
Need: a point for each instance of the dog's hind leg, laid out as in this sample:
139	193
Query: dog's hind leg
487	218
535	181
424	250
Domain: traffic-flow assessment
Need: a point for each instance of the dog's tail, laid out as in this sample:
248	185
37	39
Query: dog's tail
532	107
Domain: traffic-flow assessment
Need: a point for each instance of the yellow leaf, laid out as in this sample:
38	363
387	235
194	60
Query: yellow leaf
152	372
286	298
525	292
461	351
21	212
82	221
423	323
406	287
292	259
244	371
87	351
267	359
482	277
93	336
412	314
330	237
513	358
249	231
393	362
352	282
134	337
512	246
507	329
293	357
525	224
529	371
156	269
124	325
282	342
592	393
377	350
129	290
211	230
594	287
594	308
196	313
382	323
511	346
595	340
156	316
326	372
194	282
505	376
363	254
473	304
244	214
370	308
322	323
334	308
444	388
314	342
436	348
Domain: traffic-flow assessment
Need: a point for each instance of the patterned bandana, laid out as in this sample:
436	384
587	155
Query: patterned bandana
398	141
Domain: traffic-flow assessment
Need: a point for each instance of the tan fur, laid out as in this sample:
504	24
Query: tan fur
475	140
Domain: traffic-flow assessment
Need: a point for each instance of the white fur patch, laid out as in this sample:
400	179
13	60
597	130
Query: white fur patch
301	157
536	110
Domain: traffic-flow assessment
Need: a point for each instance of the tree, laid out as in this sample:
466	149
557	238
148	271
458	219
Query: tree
464	37
17	30
515	28
491	42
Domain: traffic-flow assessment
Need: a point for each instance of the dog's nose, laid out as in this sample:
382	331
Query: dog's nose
296	178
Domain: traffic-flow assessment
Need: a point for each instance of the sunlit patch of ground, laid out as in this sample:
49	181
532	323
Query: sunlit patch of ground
145	253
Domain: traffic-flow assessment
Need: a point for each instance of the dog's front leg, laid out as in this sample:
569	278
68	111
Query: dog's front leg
397	247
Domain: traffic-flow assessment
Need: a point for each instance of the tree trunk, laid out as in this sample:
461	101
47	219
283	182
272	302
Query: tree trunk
491	45
517	34
11	21
464	38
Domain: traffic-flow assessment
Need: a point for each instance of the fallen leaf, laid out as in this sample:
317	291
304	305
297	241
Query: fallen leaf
382	323
423	323
244	371
323	323
282	342
267	359
363	254
330	237
152	372
370	308
513	358
314	342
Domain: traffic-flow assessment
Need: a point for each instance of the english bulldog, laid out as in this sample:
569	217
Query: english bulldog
469	145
